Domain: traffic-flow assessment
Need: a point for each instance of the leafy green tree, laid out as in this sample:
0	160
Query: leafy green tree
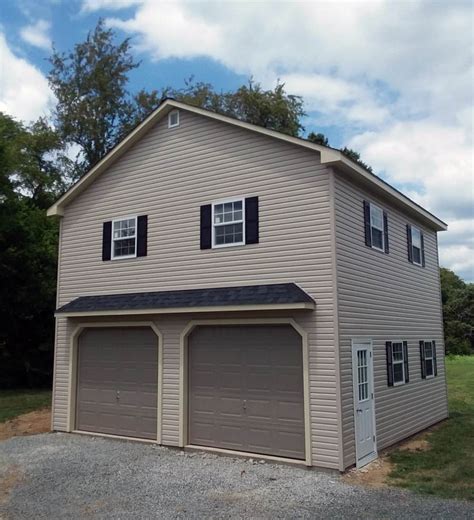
94	108
458	313
318	138
355	156
28	248
273	108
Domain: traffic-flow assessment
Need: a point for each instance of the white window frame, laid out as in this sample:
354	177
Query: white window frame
371	205
170	125
431	358
402	362
413	247
217	203
123	257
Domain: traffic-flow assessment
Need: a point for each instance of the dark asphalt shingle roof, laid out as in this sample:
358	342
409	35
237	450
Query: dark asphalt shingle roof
282	293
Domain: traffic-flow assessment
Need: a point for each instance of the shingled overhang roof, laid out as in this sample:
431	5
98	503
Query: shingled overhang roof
249	297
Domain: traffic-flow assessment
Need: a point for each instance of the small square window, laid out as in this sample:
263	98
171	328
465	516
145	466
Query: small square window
173	119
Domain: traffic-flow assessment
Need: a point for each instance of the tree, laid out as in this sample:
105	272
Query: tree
318	139
94	108
458	313
274	108
28	249
355	156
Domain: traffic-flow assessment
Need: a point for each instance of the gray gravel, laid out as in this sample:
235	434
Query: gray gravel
62	476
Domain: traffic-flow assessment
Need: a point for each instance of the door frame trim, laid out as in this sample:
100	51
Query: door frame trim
74	342
371	456
183	371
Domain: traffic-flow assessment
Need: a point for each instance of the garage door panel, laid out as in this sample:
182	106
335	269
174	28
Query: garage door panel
250	397
118	382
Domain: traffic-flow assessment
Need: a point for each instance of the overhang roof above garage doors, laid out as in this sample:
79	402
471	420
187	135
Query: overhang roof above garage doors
249	297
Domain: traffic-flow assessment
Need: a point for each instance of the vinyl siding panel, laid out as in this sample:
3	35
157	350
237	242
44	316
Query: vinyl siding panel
384	297
168	175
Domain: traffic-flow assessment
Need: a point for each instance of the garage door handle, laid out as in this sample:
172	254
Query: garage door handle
244	405
118	395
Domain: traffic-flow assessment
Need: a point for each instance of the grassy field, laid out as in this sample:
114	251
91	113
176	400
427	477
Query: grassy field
17	402
447	468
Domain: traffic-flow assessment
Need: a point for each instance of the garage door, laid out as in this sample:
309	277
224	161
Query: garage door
117	382
246	389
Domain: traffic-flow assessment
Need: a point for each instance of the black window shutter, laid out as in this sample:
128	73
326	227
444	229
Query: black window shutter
422	359
409	244
385	231
106	241
368	235
251	220
206	227
388	348
422	249
435	361
405	361
142	232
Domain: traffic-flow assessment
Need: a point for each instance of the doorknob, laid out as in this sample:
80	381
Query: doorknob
244	404
118	395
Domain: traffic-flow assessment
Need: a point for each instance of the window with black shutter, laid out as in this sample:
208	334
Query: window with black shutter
125	238
376	227
397	362
429	365
416	245
231	222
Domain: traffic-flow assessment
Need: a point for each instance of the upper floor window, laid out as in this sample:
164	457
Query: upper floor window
173	119
228	223
376	227
397	362
124	237
428	359
416	248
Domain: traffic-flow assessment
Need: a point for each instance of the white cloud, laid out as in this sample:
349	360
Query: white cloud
24	91
37	34
395	77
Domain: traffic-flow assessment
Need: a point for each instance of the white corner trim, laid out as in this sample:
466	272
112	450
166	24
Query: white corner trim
328	155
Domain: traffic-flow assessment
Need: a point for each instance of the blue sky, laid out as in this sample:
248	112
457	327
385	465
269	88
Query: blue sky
392	79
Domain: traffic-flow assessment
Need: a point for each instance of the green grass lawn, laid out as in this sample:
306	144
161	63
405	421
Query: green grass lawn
447	468
17	402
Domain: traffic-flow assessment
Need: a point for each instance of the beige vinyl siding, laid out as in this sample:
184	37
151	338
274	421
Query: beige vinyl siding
385	298
168	175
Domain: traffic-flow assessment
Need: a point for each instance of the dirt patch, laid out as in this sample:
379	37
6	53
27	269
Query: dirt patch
376	473
8	481
30	423
373	475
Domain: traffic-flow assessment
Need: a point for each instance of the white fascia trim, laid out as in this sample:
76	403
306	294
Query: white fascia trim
191	310
329	156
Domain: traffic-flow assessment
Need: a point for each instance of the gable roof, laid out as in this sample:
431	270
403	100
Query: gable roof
329	156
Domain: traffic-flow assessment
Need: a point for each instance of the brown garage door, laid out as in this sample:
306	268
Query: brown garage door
117	382
246	389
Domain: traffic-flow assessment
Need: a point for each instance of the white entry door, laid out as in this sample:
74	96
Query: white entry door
364	411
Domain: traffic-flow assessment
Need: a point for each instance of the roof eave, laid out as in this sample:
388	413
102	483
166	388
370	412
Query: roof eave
345	164
329	156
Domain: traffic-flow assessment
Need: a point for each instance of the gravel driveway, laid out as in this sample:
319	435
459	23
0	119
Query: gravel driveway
65	476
